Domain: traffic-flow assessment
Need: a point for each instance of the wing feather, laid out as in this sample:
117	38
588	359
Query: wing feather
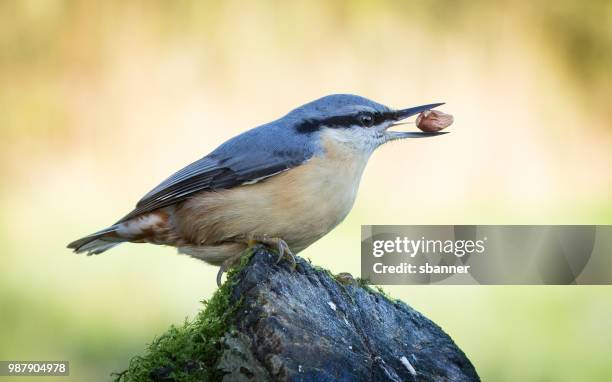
242	160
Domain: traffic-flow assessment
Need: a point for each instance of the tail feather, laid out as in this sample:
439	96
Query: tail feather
97	242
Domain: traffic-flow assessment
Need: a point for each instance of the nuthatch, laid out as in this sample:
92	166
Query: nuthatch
283	184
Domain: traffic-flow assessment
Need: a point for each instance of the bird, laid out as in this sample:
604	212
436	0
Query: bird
284	185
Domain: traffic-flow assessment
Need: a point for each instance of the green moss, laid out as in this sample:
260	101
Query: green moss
189	352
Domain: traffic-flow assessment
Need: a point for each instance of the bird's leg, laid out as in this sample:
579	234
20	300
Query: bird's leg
275	243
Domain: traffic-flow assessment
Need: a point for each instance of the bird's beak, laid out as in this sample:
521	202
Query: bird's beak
402	114
405	113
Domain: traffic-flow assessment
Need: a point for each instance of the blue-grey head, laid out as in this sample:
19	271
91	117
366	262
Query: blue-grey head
355	121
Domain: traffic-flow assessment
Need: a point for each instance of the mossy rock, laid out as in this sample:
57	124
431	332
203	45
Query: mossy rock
270	322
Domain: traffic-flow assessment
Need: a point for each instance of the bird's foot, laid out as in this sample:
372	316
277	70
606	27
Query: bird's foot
275	243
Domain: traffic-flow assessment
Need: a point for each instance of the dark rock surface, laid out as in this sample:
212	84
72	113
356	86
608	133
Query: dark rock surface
306	325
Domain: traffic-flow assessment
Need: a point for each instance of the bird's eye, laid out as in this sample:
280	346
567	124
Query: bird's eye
366	120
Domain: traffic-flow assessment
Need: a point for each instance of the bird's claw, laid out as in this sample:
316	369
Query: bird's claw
285	251
226	265
220	274
274	242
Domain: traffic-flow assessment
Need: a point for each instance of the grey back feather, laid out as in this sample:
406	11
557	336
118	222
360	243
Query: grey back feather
254	155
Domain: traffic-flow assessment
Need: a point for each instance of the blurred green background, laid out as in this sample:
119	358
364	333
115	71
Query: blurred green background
101	100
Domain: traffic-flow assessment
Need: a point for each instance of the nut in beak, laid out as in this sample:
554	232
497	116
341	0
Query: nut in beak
433	120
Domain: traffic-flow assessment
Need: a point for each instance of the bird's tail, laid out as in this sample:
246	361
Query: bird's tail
98	242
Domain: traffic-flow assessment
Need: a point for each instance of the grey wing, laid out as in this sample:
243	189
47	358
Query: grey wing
242	160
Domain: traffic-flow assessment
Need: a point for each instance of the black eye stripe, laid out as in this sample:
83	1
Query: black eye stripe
342	121
384	117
